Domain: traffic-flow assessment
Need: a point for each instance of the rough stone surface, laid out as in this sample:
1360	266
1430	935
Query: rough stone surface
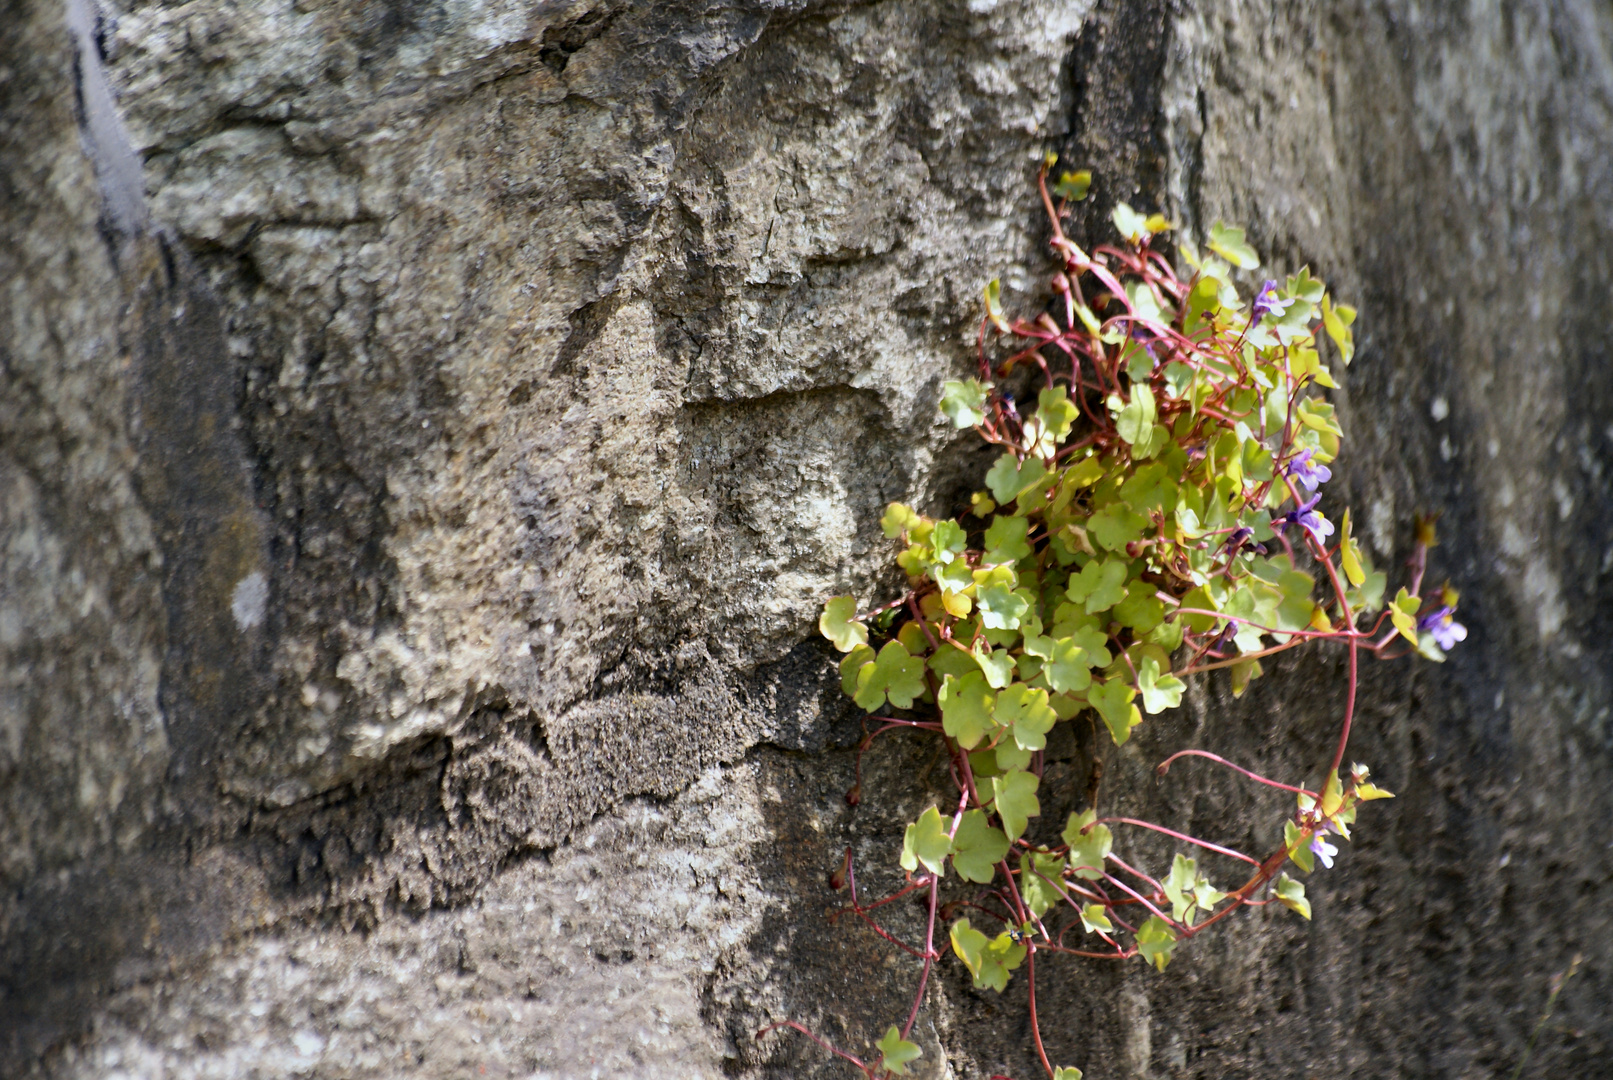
427	431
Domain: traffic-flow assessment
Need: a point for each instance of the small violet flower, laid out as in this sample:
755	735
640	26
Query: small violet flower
1308	476
1444	628
1307	517
1323	850
1266	303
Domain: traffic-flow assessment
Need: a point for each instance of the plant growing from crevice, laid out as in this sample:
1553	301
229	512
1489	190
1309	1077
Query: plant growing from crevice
1153	516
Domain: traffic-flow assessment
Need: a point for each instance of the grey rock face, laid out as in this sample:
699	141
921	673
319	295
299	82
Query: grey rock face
428	430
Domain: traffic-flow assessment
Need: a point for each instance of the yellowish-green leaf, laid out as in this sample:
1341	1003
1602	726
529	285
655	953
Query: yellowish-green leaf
1096	920
966	708
895	1052
1132	225
1027	713
1156	940
1014	798
836	623
1337	320
1088	849
1040	881
964	403
852	664
1160	692
1297	841
1073	185
1228	242
1332	794
994	305
977	847
1403	612
1113	702
926	841
898	519
895	674
1292	895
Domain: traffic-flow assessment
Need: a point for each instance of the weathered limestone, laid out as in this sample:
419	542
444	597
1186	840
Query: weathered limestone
427	431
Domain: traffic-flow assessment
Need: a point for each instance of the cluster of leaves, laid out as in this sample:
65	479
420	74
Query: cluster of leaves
1153	515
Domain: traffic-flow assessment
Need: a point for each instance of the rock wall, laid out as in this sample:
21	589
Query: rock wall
428	429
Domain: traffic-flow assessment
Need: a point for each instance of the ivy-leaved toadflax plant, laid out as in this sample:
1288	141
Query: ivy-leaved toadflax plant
1153	515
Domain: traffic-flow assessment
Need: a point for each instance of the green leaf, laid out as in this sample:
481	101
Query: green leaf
1179	888
1160	692
1066	1072
1014	795
977	847
1039	877
1141	609
1144	305
969	944
1132	225
851	665
895	1052
988	960
1084	473
994	304
951	660
1403	612
1002	608
1005	539
966	708
1350	554
1297	841
1054	417
1003	478
1010	758
1095	919
1367	792
1337	320
1156	940
1135	419
1179	377
1292	895
1099	585
898	519
1167	635
1070	668
1113	702
1227	241
1026	711
895	674
926	841
953	577
1243	673
1206	894
1088	849
836	624
1332	794
948	540
997	665
1115	526
1150	488
1073	185
964	403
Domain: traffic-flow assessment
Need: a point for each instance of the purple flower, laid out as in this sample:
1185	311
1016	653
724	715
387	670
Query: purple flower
1306	516
1266	303
1444	627
1308	476
1238	540
1323	850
